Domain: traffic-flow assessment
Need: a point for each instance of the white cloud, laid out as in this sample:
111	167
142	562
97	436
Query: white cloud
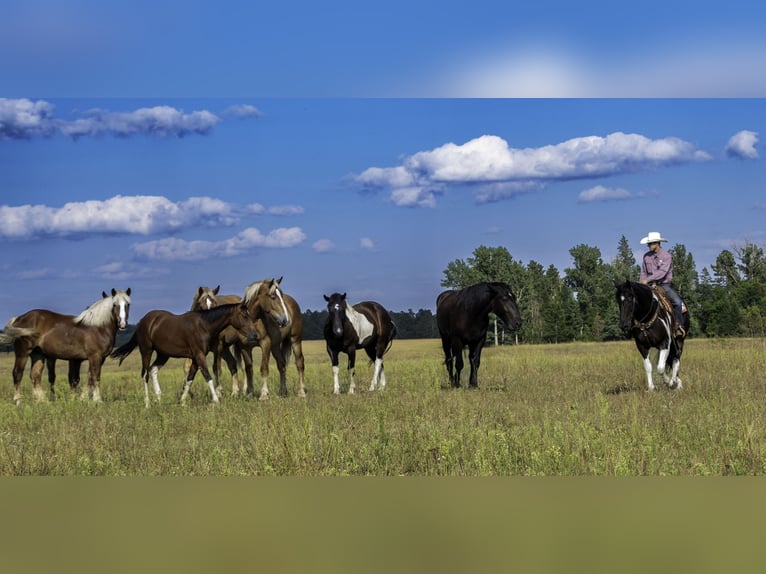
366	243
25	119
601	193
502	171
139	214
175	249
323	246
742	145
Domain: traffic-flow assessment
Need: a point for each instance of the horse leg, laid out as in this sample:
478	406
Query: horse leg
265	355
377	357
280	358
351	369
188	381
648	370
22	352
246	355
335	379
231	362
299	364
94	378
449	358
474	357
146	371
457	352
202	363
675	382
51	366
36	373
74	374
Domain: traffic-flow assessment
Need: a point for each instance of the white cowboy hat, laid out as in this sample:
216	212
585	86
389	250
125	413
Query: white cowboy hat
653	237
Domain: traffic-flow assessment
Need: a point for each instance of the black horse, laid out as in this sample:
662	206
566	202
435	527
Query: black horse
366	325
645	317
463	319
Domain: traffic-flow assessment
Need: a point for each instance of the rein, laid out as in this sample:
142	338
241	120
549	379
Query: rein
644	324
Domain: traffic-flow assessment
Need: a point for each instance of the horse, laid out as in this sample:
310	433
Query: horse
279	335
207	298
182	336
644	317
366	325
462	317
46	335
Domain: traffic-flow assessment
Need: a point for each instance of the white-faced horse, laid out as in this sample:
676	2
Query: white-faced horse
366	325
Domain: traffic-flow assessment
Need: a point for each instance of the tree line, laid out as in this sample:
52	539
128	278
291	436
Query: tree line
727	300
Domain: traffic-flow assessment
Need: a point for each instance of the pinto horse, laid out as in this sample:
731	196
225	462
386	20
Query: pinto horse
280	334
182	336
644	317
366	325
46	336
462	317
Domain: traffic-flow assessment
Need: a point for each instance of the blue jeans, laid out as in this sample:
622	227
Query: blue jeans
675	300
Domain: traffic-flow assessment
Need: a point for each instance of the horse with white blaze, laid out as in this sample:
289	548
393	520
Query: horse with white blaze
366	325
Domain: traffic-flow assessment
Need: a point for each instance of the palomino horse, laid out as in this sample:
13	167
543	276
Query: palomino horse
463	319
644	317
279	335
46	335
366	325
182	336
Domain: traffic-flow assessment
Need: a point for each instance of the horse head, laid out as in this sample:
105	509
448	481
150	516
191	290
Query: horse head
626	301
121	307
336	308
205	298
243	322
265	297
504	305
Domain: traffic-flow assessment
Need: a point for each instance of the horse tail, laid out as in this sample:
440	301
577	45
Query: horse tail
10	333
125	350
394	333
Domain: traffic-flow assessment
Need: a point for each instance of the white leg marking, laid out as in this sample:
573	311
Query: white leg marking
376	373
648	369
156	382
211	384
335	381
265	389
185	393
351	385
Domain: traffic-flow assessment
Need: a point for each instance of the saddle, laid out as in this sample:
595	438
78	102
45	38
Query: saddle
662	297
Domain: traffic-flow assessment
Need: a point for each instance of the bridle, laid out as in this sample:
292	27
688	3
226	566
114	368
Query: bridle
651	315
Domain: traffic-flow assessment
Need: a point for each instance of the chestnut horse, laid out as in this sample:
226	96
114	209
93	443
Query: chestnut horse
279	335
182	336
47	335
463	319
366	325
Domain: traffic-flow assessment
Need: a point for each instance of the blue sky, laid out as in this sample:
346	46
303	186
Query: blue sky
170	145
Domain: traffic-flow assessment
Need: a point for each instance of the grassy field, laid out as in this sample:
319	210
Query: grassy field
564	410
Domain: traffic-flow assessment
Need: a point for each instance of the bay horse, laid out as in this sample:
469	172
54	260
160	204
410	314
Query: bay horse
651	324
366	325
462	317
280	334
182	336
46	335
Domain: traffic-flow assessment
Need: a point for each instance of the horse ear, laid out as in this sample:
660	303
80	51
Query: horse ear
127	292
326	298
199	290
104	295
215	291
343	296
114	291
278	281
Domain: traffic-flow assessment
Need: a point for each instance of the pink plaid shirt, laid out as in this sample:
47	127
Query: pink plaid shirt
657	267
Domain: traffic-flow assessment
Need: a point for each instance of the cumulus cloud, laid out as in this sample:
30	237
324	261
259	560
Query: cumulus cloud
27	119
366	243
140	214
175	249
601	193
498	171
323	246
742	145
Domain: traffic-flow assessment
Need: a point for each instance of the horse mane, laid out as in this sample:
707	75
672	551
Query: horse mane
251	290
211	315
98	314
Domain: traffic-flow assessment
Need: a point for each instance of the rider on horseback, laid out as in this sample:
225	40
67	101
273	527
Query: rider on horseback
657	269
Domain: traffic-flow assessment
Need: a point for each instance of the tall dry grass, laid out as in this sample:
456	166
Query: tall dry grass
572	409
